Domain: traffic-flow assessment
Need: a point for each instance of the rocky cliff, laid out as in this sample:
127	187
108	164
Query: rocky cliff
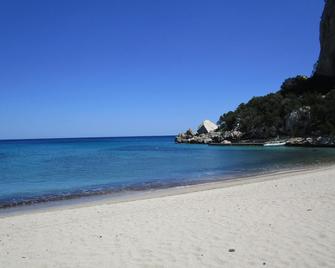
326	63
302	112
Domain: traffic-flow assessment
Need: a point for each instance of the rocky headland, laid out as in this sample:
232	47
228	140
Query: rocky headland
300	113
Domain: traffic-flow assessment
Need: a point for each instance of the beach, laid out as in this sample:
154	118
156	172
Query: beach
279	220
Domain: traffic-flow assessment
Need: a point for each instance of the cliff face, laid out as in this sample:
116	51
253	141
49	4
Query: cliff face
326	62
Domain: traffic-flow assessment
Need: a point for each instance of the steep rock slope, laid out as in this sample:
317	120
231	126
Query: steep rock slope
326	62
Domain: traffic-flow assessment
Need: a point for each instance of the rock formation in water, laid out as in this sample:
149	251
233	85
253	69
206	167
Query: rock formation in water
301	112
326	63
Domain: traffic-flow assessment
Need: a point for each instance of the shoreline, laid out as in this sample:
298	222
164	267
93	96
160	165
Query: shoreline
95	199
280	220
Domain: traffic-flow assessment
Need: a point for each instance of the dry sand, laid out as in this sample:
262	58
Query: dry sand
283	220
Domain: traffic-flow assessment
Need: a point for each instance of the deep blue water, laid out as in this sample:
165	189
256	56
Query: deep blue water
39	170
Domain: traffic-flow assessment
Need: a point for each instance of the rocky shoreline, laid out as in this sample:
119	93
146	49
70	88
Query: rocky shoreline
236	138
216	139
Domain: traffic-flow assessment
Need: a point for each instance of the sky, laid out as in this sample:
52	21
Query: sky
150	67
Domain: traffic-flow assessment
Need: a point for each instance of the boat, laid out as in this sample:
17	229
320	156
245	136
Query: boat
275	143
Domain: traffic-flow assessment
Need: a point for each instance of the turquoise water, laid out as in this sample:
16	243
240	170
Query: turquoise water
40	170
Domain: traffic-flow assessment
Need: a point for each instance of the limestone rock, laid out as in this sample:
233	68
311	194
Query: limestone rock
207	140
189	133
298	141
207	126
311	141
232	135
298	121
186	137
178	139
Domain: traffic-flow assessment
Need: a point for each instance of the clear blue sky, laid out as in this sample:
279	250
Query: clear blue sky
114	68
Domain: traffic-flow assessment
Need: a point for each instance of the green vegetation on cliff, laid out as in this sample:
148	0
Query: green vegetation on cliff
302	107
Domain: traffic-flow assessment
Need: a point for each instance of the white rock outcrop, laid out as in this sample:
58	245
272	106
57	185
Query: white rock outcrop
206	127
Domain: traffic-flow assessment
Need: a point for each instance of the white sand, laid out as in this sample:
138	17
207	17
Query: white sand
285	221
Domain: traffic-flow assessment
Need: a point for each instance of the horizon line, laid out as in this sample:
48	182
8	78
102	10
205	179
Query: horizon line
89	137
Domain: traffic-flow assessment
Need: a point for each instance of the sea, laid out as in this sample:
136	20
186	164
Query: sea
42	170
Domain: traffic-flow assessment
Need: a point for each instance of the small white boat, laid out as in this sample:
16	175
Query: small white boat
275	143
